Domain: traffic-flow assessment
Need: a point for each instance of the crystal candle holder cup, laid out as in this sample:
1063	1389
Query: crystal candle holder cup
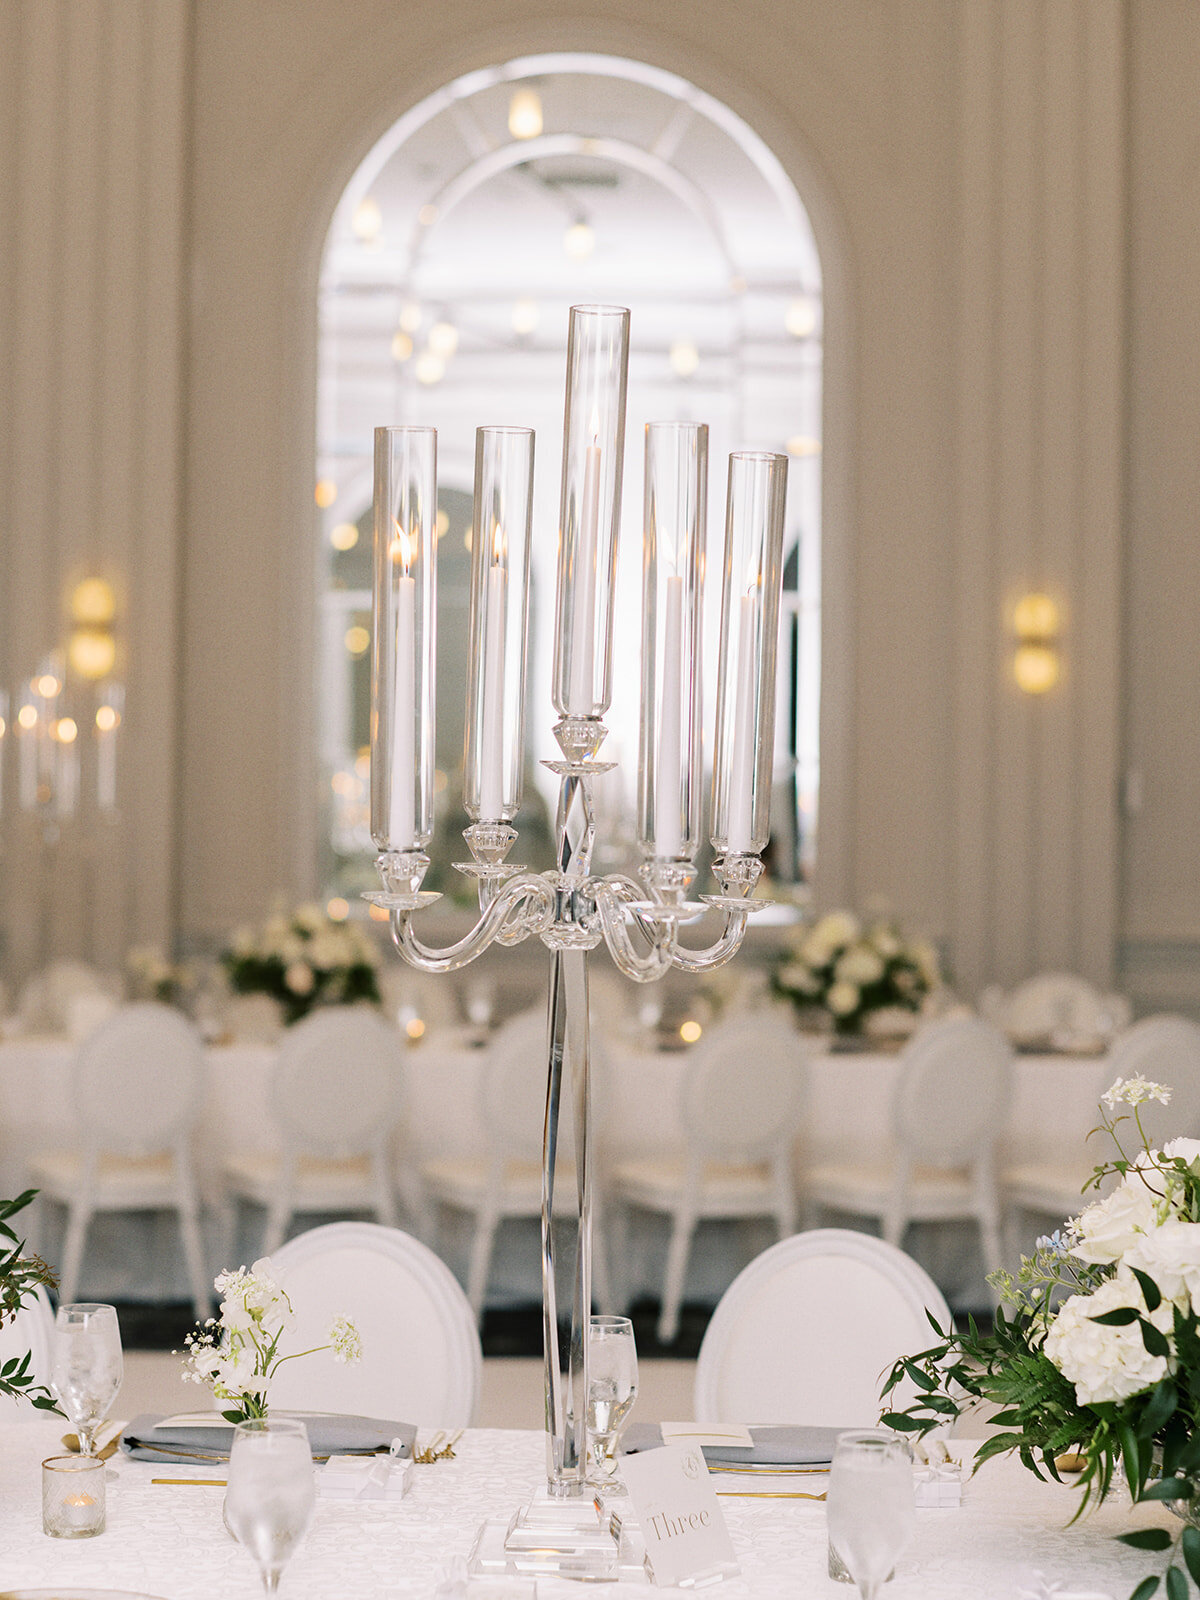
72	1497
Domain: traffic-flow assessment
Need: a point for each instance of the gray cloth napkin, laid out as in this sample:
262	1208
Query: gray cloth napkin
783	1445
329	1435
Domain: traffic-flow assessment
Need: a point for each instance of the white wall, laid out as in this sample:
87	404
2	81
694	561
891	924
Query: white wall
1007	200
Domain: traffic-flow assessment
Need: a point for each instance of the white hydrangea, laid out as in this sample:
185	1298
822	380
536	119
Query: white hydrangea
1183	1149
837	928
860	964
842	998
1106	1363
1171	1256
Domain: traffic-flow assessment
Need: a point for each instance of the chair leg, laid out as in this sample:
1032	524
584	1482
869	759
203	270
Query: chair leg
480	1263
682	1227
193	1254
990	1235
78	1218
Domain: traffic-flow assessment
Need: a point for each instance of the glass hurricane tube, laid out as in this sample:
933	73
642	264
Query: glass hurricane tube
499	607
676	488
751	580
590	508
403	646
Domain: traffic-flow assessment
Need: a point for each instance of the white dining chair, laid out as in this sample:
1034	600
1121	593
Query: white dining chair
807	1332
740	1105
504	1183
335	1098
421	1360
61	992
136	1097
1054	1005
1165	1049
947	1110
30	1328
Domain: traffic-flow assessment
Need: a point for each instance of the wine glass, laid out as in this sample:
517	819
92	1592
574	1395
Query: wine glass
869	1508
612	1389
88	1367
271	1490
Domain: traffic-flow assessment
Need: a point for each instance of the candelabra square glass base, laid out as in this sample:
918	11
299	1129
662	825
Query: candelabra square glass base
551	1537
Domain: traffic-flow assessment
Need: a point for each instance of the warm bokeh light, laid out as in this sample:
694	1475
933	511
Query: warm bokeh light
378	913
27	717
91	653
358	640
525	316
440	781
337	909
443	339
579	241
325	493
1035	616
402	345
684	358
368	220
410	316
66	730
443	523
1036	668
107	718
3	727
803	444
93	602
47	685
430	367
800	319
414	1028
343	783
690	1031
525	114
344	536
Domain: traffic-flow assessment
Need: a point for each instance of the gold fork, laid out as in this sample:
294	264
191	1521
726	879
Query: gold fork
429	1454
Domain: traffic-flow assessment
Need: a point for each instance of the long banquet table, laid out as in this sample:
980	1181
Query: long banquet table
638	1094
169	1541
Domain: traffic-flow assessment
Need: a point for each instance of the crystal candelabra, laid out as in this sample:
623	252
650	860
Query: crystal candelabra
567	907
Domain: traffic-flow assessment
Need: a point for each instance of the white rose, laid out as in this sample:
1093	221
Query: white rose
1113	1225
885	941
797	976
815	952
299	977
860	965
1187	1149
842	999
1171	1256
1106	1363
837	928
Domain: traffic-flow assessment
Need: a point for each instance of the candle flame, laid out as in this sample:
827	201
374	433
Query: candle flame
403	549
594	426
499	544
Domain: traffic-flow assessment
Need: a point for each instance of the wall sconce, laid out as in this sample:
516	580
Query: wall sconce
1037	661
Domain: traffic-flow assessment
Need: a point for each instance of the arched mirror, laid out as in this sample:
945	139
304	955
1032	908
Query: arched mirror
453	257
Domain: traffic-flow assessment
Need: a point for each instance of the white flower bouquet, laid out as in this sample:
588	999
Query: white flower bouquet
152	977
304	960
850	971
1099	1357
237	1354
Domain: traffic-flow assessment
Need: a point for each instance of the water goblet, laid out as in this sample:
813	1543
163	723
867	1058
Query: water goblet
271	1491
88	1367
612	1389
869	1508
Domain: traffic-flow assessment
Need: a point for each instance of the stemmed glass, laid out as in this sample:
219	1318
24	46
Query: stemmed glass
612	1389
869	1507
271	1491
88	1367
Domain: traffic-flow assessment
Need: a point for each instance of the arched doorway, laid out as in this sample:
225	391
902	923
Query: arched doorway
457	247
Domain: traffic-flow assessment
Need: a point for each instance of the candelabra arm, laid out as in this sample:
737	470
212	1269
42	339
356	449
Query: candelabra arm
535	916
615	897
717	953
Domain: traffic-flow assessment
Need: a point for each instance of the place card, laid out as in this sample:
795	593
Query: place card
687	1542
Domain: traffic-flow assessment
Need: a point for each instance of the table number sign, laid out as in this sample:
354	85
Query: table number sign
687	1542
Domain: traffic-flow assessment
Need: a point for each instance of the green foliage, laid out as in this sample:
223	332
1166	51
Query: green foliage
20	1275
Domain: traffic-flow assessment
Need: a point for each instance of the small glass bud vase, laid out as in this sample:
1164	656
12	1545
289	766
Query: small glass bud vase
402	650
745	740
72	1497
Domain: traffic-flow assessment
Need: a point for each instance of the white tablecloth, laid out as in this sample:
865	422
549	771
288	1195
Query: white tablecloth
169	1542
638	1094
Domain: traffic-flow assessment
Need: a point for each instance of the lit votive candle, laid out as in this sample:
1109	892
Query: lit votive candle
72	1497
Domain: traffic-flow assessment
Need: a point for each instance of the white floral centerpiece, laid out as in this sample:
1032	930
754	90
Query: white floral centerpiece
1099	1358
304	960
855	973
152	977
237	1354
